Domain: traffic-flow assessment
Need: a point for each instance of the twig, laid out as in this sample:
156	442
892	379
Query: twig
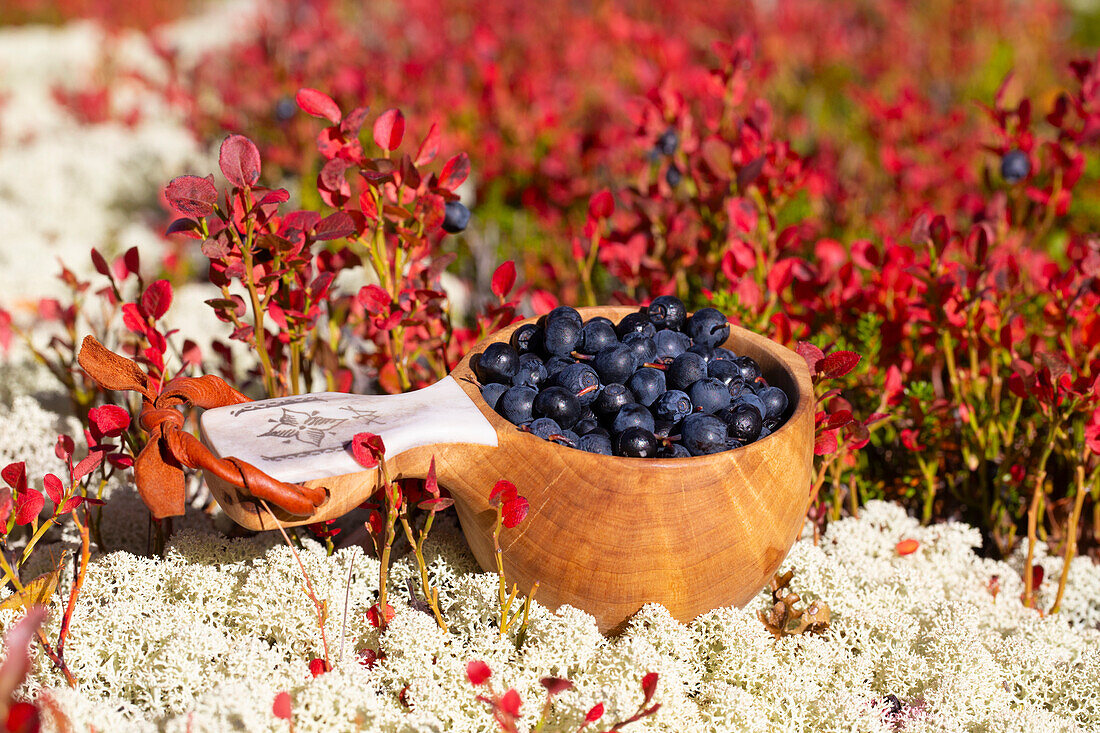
1071	538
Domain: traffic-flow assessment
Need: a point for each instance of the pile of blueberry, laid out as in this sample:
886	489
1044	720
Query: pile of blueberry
657	384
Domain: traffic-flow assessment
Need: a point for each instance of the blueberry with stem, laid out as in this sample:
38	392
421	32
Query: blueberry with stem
559	404
581	381
544	427
667	312
709	327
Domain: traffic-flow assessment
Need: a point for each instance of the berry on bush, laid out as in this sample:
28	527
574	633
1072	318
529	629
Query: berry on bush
1015	166
456	217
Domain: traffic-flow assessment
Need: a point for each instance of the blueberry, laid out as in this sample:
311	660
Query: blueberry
567	438
285	109
555	364
595	443
686	369
585	426
750	370
564	311
667	142
673	450
601	319
600	431
615	364
644	347
581	381
746	423
723	354
1015	166
531	372
559	404
709	395
671	344
724	371
611	399
708	326
635	322
526	338
633	416
775	402
595	337
561	335
544	427
673	176
704	434
516	405
673	406
491	393
749	398
737	387
667	311
636	442
647	384
455	217
707	352
497	363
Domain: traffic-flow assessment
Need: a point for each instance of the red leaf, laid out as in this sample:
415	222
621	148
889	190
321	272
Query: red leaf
334	226
190	196
839	363
192	353
89	463
5	508
907	547
132	260
317	667
281	708
132	318
504	278
543	302
429	148
825	443
368	449
514	511
437	504
374	299
811	354
15	474
477	672
54	488
389	128
594	714
506	490
839	419
373	617
64	447
75	501
454	172
110	420
318	104
601	205
157	298
431	485
510	702
100	263
27	506
556	685
1037	574
649	686
239	159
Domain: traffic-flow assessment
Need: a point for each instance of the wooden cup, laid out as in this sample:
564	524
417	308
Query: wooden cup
604	534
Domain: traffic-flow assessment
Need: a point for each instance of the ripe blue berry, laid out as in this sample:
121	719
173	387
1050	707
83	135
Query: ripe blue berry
564	311
581	381
749	398
671	344
673	176
555	364
455	217
585	426
667	311
558	404
531	372
750	370
647	384
686	369
285	109
568	438
635	322
667	142
673	450
611	399
708	327
544	427
527	337
636	442
615	364
595	443
775	402
745	424
724	371
632	416
673	406
1015	166
497	363
703	434
516	404
644	347
561	335
709	395
595	337
491	393
707	352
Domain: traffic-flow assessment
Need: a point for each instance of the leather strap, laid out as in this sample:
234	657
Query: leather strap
158	470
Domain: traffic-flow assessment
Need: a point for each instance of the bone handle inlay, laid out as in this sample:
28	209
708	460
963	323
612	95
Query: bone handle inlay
295	439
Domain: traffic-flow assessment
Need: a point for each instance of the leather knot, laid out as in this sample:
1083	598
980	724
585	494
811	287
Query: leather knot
153	417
